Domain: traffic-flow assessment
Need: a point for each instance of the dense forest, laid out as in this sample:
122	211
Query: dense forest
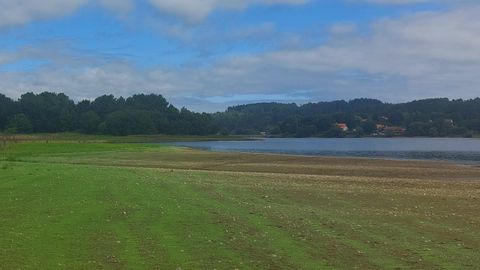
152	114
139	114
359	117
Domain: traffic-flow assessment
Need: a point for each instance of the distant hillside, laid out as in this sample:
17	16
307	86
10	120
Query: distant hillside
358	117
151	114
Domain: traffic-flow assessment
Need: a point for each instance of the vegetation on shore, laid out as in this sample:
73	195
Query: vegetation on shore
152	114
95	205
359	117
93	138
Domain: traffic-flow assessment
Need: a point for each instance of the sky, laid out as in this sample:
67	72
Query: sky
207	55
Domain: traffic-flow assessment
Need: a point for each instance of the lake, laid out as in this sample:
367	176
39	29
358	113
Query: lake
460	150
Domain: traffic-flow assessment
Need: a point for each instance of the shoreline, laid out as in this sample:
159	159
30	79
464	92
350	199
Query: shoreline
472	163
190	159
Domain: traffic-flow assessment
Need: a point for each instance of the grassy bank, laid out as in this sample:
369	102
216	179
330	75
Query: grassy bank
95	205
82	138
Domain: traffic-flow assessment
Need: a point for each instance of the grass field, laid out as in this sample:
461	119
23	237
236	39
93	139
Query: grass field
96	205
82	138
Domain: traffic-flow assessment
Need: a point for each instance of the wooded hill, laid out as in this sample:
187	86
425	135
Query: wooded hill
152	114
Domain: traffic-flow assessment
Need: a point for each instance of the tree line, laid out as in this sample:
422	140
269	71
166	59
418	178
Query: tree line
152	114
438	117
140	114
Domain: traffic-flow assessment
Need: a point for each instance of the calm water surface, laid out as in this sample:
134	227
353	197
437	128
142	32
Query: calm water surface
446	149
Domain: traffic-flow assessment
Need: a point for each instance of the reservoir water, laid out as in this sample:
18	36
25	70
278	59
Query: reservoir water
461	150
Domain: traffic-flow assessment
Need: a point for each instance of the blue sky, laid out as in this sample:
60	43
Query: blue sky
210	54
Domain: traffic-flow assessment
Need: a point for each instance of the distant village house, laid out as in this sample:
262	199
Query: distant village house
394	130
342	126
380	127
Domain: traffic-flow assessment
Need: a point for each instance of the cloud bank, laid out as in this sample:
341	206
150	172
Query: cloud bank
425	54
20	12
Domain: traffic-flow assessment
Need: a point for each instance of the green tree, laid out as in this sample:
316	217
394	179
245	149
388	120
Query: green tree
130	122
89	122
369	127
105	105
19	124
7	109
48	112
154	103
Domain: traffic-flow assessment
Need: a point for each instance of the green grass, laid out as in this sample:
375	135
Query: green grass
83	138
68	205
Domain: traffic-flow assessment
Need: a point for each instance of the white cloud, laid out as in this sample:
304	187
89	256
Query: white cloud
19	12
398	2
120	6
195	10
427	54
408	2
